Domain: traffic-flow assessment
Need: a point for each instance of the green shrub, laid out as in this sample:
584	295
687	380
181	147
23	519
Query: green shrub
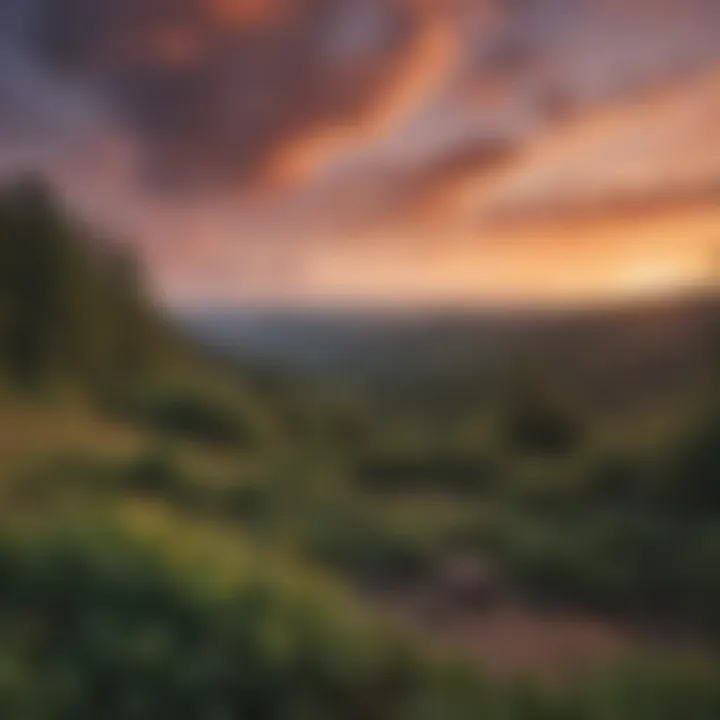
153	472
538	421
632	562
360	545
191	415
693	470
442	471
99	624
168	624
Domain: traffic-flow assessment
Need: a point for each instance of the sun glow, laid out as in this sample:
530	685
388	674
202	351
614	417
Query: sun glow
655	276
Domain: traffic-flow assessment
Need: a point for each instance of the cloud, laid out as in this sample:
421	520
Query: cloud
291	123
659	148
238	94
221	92
417	72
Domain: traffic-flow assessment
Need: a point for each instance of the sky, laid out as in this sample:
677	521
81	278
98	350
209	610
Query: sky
378	151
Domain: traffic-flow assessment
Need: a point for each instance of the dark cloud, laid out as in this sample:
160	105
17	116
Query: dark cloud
225	93
212	87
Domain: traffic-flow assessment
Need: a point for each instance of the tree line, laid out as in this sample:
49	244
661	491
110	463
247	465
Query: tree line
73	307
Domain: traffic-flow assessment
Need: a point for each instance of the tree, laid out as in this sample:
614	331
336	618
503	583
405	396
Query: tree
540	420
72	307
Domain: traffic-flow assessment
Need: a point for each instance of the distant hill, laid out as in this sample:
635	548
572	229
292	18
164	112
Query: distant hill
615	351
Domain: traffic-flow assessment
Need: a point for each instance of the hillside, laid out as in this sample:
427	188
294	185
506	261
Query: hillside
187	536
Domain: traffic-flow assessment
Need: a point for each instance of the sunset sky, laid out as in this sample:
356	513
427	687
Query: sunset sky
433	151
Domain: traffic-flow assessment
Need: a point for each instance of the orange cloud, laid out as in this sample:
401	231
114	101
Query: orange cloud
657	149
404	83
175	44
244	13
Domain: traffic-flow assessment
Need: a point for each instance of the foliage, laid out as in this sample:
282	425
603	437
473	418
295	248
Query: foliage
185	414
121	623
72	307
541	421
118	626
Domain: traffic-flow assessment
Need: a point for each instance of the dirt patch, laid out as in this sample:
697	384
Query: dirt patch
511	640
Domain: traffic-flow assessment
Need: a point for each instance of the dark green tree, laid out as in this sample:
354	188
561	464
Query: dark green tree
73	306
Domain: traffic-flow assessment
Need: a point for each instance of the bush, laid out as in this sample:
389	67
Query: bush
632	562
152	472
357	544
693	477
442	471
539	421
190	415
617	477
98	624
168	624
